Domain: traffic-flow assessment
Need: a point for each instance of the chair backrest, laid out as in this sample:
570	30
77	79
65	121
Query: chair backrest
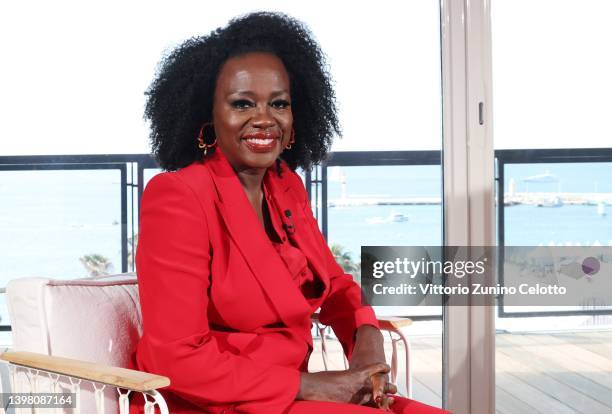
95	319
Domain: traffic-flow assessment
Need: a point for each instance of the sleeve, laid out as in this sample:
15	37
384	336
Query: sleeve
342	309
173	264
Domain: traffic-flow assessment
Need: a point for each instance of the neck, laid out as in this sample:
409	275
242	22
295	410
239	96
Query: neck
251	179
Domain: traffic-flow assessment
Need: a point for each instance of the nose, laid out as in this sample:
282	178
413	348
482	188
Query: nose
263	118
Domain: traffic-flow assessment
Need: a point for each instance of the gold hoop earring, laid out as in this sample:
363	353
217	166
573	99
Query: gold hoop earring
201	139
291	139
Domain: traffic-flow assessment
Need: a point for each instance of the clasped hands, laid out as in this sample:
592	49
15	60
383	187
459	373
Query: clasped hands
366	381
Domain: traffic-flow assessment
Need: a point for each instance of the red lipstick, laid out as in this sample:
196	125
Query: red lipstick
261	141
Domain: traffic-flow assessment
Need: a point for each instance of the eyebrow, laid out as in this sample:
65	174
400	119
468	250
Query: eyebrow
251	93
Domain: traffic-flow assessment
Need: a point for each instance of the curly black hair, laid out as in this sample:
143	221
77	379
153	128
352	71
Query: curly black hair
180	98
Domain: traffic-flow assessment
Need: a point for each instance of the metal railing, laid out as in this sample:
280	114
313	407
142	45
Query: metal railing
132	166
503	158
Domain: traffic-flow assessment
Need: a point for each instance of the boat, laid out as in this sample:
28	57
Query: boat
551	202
391	218
601	208
399	217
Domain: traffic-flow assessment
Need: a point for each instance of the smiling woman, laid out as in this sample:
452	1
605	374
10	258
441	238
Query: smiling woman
231	262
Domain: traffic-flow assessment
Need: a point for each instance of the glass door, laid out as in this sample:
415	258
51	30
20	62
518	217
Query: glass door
552	138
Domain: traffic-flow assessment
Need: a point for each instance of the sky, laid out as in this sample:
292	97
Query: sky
73	74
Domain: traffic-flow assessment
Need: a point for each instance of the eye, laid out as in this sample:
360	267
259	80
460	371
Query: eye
242	104
280	104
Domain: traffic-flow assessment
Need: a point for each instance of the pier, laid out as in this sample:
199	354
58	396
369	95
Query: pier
551	199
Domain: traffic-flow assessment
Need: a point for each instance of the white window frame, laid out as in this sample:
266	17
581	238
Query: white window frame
468	164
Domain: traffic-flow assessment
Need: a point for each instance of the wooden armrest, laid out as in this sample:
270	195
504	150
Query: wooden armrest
387	323
118	377
393	323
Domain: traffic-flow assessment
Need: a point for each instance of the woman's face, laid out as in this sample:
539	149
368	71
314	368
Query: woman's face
252	110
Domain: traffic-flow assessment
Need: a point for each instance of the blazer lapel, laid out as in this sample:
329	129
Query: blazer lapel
246	230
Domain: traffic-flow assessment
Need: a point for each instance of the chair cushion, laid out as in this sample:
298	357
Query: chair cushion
95	319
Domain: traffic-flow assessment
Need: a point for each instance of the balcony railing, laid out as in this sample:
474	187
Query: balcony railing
132	172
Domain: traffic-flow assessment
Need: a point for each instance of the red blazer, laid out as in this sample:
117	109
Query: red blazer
222	317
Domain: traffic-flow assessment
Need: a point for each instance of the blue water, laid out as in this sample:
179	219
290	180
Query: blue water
352	227
48	219
525	225
531	226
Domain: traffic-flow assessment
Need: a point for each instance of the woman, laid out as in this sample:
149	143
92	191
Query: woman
231	263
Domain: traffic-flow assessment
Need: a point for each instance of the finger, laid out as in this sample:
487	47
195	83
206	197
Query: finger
387	402
390	388
377	386
379	368
384	402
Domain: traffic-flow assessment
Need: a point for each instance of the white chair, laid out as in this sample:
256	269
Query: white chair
95	322
78	335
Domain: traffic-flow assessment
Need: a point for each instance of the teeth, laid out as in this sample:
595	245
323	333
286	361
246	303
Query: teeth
260	141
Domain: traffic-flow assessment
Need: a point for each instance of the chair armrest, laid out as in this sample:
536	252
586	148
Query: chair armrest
392	323
116	376
386	323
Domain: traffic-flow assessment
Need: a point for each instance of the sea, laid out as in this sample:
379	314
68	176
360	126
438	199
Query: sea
524	225
49	219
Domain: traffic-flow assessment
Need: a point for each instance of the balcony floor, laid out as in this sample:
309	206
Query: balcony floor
569	372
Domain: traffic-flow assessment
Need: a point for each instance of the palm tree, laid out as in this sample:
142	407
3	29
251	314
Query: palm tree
132	244
345	259
96	264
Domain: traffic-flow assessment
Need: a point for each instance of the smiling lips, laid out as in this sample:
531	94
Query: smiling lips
261	141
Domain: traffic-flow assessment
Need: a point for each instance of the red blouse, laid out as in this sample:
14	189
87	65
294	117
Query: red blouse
297	264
